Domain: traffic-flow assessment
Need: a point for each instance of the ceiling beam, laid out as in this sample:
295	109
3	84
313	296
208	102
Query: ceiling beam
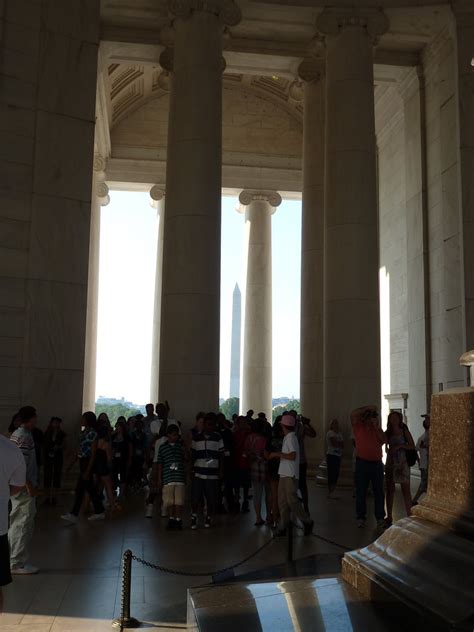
142	46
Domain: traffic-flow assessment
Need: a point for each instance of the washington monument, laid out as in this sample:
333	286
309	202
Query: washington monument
235	343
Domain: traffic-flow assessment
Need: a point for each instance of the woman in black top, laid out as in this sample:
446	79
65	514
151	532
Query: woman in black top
54	439
121	455
274	444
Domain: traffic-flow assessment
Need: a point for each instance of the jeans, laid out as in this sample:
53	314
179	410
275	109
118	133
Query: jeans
333	463
22	523
369	472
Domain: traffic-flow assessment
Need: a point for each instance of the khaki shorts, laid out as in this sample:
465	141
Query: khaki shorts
173	494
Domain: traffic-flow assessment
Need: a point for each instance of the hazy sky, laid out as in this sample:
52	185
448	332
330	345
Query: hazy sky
127	276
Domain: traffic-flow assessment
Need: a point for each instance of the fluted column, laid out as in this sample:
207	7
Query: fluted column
312	249
100	197
257	346
351	261
190	317
157	201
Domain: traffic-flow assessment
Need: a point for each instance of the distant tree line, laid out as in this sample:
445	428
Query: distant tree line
114	411
231	407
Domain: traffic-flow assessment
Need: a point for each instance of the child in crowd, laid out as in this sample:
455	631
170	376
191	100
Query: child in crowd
172	477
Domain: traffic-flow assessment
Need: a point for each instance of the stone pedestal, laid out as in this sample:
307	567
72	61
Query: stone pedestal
427	560
257	347
157	201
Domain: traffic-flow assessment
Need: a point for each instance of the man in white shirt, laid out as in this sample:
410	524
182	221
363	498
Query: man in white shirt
12	481
288	501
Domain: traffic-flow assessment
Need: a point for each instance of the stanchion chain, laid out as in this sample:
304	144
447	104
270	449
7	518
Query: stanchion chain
173	571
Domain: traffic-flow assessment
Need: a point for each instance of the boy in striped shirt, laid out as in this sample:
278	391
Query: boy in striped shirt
171	476
207	453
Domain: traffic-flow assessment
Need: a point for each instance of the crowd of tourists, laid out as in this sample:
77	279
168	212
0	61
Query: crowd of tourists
219	466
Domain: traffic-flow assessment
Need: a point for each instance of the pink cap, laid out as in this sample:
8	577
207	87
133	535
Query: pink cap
288	420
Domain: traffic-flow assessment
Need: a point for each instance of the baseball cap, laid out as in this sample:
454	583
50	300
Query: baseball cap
288	420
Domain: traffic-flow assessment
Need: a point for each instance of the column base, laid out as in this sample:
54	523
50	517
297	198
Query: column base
423	564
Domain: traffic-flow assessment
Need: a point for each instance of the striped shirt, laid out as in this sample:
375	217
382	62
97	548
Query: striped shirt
24	440
207	449
171	457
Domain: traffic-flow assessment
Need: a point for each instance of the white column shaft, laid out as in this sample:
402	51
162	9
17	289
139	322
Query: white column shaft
155	352
257	345
351	320
190	317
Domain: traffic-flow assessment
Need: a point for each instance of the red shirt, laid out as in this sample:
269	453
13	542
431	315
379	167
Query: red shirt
367	442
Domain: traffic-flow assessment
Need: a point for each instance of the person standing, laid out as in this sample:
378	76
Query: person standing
304	429
423	448
255	449
369	439
12	482
87	456
22	516
288	470
172	477
397	468
334	447
207	454
54	439
274	445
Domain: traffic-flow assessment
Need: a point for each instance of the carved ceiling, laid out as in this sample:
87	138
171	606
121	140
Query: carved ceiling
131	86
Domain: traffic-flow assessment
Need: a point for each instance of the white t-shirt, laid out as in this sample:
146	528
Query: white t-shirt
12	472
423	446
155	426
330	449
287	468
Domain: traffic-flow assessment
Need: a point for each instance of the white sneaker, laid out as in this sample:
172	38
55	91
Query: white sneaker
149	511
27	569
95	517
69	517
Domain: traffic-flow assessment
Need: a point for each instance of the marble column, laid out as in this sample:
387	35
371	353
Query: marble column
157	201
418	303
47	99
351	261
190	318
257	346
312	251
464	34
100	197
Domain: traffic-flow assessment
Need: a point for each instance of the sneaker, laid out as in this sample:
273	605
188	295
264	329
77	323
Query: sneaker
26	569
207	523
95	517
360	524
149	511
308	527
69	517
194	522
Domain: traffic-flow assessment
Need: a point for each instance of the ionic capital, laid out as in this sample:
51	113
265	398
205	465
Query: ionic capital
156	194
228	11
99	163
102	192
311	70
248	196
332	21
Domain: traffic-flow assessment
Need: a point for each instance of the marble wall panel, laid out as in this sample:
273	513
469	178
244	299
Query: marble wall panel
59	240
65	64
59	171
56	321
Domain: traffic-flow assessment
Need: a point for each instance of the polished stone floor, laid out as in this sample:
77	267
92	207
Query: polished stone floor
78	588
